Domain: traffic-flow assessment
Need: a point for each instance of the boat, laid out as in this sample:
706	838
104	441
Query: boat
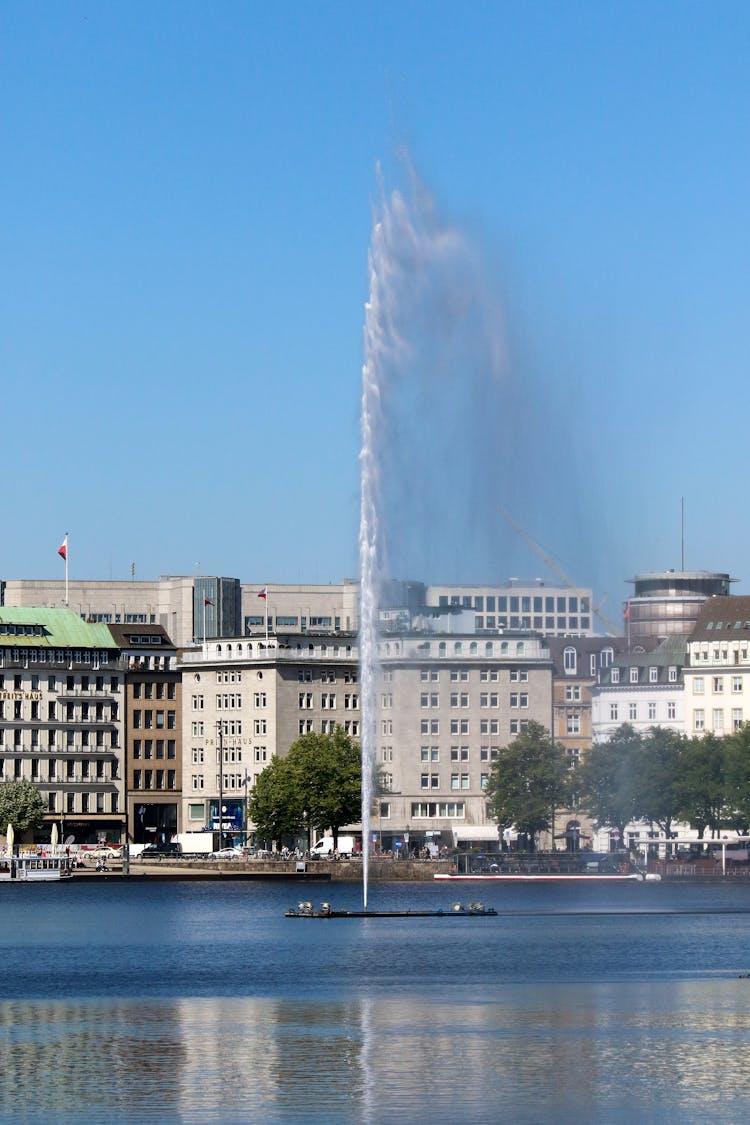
35	868
579	867
456	910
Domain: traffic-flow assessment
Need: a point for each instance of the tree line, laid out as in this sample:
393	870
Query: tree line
662	777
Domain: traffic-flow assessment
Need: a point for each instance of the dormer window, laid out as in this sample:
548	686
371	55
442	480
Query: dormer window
634	675
615	675
653	675
570	660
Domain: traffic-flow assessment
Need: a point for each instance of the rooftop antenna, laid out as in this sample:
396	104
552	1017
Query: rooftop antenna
682	533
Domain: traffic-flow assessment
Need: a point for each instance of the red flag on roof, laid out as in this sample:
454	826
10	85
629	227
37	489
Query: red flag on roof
62	550
207	601
263	593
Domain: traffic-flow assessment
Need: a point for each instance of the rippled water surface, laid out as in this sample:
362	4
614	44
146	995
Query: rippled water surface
203	1003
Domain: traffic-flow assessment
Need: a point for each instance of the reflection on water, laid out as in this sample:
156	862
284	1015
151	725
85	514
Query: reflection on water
598	1051
183	1003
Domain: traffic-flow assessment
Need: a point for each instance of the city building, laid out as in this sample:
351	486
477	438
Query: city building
152	732
555	611
186	606
668	602
448	699
717	674
62	719
247	699
644	689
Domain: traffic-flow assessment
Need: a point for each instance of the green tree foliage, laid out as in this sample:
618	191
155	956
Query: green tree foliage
529	778
21	805
658	770
274	804
317	786
605	782
329	779
702	790
737	779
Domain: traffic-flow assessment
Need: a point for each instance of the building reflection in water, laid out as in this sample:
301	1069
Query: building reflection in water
588	1049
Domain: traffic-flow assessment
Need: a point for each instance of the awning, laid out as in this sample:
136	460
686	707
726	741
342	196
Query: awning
476	832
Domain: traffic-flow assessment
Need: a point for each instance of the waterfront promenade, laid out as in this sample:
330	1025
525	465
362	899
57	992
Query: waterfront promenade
385	870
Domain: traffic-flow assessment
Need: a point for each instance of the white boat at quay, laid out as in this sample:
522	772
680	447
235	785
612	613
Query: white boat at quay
35	868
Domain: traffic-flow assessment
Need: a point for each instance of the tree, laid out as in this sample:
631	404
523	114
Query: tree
737	779
606	779
658	777
317	785
702	791
21	805
329	779
274	803
528	779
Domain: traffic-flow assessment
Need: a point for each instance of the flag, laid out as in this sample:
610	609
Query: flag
263	593
62	550
627	611
207	601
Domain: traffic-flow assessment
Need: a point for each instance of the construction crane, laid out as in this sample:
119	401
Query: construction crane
552	564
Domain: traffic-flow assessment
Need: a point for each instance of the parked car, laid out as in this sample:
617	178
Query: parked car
161	849
103	854
227	853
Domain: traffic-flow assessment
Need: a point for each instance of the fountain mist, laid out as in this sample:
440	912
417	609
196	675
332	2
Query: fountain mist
433	351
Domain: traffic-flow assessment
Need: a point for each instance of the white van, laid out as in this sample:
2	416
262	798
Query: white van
348	845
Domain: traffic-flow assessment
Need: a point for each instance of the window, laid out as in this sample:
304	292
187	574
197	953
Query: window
569	661
614	675
573	693
672	674
632	712
613	712
717	685
653	675
736	718
698	685
671	710
652	711
573	724
718	720
634	675
736	684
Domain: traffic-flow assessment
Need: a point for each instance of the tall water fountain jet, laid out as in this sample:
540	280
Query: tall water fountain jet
433	345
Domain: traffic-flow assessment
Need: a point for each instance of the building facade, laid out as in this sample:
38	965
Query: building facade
669	602
446	703
152	739
644	689
717	674
62	719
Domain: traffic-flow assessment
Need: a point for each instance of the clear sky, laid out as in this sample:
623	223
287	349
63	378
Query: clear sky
187	194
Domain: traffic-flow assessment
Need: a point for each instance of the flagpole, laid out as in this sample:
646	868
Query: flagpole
67	599
204	617
266	601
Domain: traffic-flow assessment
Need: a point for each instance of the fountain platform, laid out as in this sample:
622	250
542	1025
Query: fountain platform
456	910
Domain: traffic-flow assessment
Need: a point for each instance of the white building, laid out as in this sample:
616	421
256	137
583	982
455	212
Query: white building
644	689
717	676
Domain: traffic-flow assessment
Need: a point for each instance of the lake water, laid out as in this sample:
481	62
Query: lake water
190	1002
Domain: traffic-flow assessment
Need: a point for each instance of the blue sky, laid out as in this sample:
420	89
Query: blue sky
187	198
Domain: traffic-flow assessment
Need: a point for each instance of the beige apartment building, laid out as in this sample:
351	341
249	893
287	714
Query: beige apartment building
446	703
717	674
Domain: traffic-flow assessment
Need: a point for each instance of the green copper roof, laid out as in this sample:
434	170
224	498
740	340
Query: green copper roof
57	628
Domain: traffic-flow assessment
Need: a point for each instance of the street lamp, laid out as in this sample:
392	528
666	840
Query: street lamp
220	733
